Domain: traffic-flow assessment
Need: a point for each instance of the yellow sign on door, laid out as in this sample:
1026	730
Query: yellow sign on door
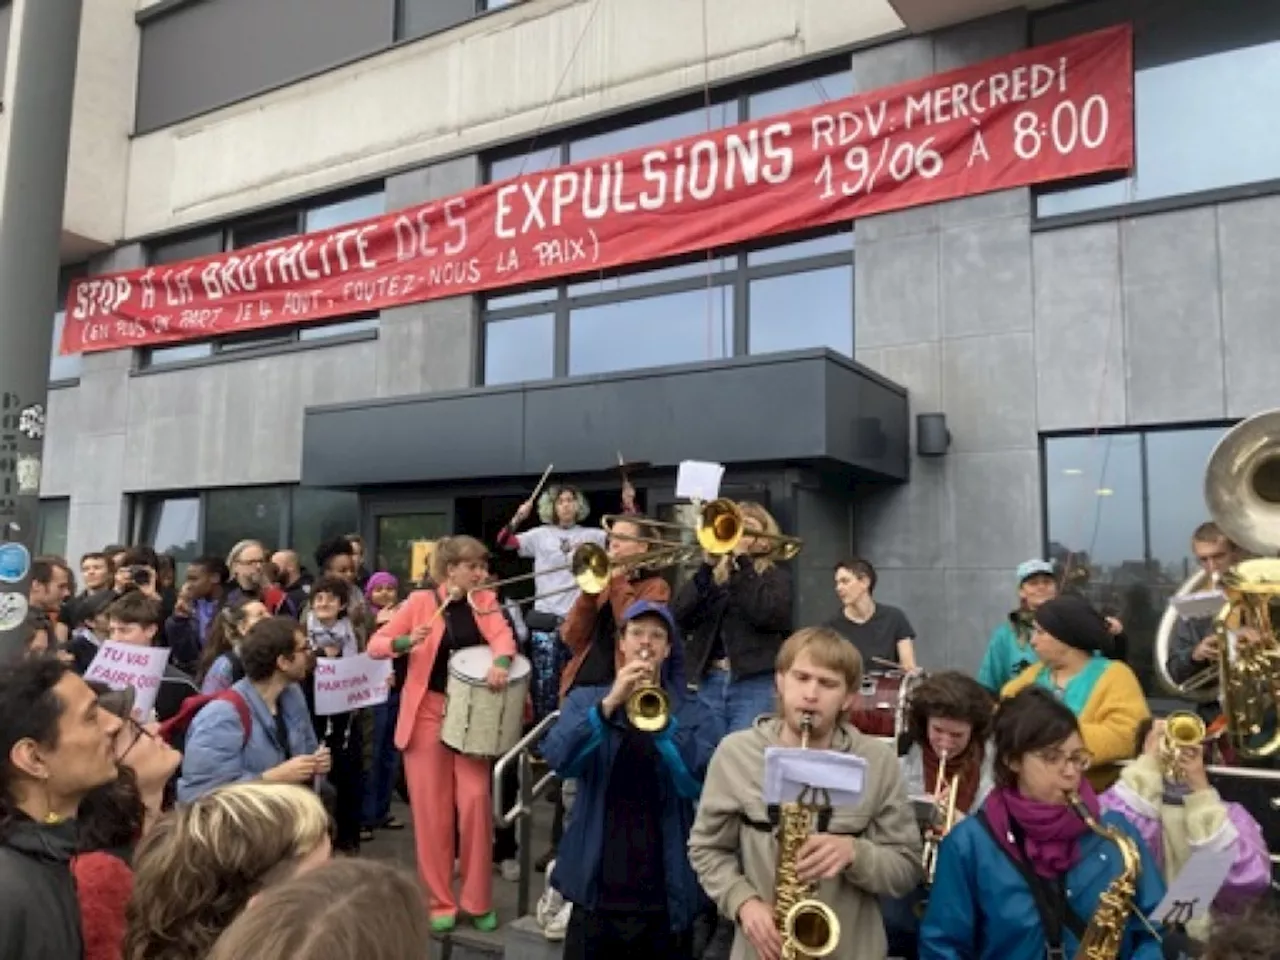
420	555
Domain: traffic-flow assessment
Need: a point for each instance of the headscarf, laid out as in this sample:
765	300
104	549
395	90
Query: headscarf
377	580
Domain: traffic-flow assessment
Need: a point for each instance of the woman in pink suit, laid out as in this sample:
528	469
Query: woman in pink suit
446	786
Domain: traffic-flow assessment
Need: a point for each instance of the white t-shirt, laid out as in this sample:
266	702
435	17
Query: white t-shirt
551	546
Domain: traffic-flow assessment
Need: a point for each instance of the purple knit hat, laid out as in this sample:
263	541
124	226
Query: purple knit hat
379	579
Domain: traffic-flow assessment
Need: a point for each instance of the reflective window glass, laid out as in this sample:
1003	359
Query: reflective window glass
319	515
262	231
520	349
816	247
62	367
521	299
421	17
655	132
655	331
629	281
54	517
187	351
1176	461
186	248
246	513
172	526
803	93
326	331
1094	487
332	215
1207	72
800	310
542	158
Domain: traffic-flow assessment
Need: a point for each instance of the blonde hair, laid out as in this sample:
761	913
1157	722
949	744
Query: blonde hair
367	909
454	550
201	863
827	649
762	562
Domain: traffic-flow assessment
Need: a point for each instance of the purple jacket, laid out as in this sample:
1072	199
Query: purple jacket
1203	821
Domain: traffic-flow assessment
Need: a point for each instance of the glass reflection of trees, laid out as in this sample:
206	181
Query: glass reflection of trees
1120	508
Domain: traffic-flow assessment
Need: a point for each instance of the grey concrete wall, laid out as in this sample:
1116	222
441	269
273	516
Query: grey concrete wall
1140	321
239	422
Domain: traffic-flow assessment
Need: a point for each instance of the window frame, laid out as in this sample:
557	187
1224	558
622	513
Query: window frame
267	341
737	271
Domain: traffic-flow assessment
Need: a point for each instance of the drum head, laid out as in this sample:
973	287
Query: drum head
473	663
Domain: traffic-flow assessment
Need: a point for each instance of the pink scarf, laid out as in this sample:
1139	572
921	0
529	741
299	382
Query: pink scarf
1051	832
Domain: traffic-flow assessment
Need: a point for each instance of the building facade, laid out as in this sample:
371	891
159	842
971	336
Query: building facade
1087	342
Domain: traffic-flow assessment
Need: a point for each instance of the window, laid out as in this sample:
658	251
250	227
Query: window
788	295
1207	72
417	18
191	525
64	367
51	532
325	215
1120	509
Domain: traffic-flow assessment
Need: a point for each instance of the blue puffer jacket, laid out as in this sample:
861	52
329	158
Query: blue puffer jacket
980	907
583	745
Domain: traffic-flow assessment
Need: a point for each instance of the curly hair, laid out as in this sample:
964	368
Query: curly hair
1255	937
547	503
953	696
198	868
112	815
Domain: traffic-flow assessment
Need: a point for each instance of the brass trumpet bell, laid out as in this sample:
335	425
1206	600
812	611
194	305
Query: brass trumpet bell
1183	730
813	927
649	707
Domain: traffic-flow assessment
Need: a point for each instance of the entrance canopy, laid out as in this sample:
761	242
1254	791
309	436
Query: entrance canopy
809	407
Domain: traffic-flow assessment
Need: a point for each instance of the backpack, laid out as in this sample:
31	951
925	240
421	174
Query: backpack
174	730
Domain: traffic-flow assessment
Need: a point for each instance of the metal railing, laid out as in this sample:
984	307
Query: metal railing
522	812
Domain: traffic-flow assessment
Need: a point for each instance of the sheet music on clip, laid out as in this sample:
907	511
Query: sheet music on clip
699	480
1197	606
788	770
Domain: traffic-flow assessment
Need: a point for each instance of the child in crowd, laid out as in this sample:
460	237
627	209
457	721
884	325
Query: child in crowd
220	666
87	617
382	593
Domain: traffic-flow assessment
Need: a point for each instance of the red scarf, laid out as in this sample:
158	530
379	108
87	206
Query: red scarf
968	765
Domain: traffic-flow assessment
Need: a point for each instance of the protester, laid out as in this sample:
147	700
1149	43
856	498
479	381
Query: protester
55	747
135	620
220	665
382	592
204	861
372	911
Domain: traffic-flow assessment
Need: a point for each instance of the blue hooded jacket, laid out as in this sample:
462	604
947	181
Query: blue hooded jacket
583	745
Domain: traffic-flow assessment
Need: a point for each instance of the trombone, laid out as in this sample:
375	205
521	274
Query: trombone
720	527
591	569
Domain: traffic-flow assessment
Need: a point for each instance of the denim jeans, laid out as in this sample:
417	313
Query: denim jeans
386	759
737	702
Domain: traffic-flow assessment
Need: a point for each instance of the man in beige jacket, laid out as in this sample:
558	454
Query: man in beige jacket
864	852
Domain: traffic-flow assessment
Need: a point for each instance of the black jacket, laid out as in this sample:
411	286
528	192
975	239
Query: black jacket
751	612
39	911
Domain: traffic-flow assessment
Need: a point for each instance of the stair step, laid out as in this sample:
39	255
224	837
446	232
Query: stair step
467	943
526	941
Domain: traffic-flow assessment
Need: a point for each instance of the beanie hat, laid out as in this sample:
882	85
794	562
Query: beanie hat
1074	621
379	579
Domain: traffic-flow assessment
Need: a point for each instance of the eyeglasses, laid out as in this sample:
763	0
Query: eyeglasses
1081	759
132	731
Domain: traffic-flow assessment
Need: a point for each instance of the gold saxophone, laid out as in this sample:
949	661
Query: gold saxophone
809	928
941	826
1105	934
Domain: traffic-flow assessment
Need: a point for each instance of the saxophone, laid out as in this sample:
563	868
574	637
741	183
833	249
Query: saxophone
809	928
1105	934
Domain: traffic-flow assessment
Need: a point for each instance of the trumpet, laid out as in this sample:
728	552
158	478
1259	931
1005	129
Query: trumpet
935	832
1183	730
720	527
649	707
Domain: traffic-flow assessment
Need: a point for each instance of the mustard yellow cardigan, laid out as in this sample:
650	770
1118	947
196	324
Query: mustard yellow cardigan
1110	719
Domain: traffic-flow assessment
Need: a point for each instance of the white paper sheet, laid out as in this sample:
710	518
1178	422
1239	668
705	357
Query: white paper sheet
1197	606
1193	890
699	480
789	770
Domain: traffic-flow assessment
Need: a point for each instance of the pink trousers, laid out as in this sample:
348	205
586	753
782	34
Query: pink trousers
448	789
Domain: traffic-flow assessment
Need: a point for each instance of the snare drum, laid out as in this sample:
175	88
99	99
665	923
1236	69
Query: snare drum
880	706
478	721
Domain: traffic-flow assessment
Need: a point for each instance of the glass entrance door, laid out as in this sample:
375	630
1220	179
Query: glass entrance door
396	526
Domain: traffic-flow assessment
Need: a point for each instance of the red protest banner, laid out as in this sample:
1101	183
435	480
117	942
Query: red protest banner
1057	111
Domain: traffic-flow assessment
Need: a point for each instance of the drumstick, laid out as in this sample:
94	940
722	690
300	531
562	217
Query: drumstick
541	483
886	663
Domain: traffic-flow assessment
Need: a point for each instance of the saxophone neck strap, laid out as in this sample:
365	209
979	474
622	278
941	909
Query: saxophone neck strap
775	817
1050	896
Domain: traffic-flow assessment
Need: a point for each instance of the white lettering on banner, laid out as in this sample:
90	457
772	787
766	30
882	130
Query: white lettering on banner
1038	115
346	683
121	665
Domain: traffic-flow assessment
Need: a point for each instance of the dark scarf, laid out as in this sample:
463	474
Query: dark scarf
1051	832
968	765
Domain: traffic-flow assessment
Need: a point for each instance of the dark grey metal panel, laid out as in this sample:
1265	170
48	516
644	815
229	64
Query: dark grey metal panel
438	438
421	17
208	54
6	17
805	407
728	414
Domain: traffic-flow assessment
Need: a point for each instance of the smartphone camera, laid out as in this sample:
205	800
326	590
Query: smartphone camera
141	576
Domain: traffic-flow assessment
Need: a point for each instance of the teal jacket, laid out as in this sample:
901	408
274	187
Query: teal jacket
1008	652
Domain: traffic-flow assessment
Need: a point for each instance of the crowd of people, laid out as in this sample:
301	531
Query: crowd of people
207	828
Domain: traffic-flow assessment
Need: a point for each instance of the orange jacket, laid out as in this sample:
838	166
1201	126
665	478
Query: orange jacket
579	627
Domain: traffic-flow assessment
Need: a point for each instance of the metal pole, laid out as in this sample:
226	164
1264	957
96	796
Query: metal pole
44	36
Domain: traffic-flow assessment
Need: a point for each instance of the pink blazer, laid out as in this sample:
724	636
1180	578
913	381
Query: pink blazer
419	609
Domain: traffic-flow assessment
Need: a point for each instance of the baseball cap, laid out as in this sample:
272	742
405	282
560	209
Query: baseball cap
643	608
1031	568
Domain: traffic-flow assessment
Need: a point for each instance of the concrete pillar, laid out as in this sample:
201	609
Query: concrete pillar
45	38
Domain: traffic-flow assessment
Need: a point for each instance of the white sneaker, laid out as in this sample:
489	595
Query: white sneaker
510	870
550	903
559	924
